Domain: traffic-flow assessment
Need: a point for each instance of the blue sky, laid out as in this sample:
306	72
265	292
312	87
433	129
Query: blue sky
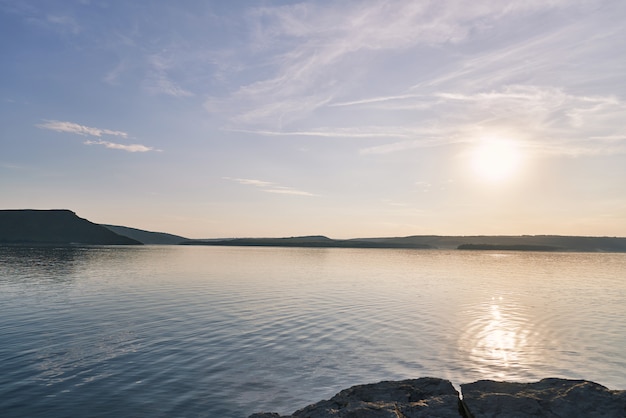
348	119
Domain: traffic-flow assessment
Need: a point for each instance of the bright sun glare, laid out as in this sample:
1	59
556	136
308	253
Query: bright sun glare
496	160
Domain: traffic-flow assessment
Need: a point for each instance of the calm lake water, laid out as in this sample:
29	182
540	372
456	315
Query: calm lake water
164	331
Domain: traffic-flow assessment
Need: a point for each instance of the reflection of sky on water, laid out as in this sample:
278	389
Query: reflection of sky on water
231	329
39	264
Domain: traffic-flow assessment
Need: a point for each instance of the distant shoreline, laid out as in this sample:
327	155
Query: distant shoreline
62	227
541	243
294	242
519	247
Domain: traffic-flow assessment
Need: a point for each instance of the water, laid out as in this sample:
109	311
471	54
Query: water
162	331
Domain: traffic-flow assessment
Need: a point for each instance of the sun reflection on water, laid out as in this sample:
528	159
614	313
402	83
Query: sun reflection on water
498	340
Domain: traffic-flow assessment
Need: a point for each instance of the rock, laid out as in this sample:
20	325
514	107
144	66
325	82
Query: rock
415	398
432	397
265	415
554	398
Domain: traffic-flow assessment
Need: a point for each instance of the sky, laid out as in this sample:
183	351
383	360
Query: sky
339	118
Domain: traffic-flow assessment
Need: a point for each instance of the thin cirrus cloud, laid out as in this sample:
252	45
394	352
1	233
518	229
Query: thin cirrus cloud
270	187
68	23
360	132
82	130
307	72
548	112
159	82
75	128
524	83
569	124
373	100
123	147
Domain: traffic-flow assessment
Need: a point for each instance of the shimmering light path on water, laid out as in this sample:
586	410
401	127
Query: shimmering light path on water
224	332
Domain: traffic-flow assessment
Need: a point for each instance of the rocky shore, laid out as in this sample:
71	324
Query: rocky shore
433	397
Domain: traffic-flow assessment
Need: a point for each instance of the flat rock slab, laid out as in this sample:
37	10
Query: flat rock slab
414	398
553	398
433	397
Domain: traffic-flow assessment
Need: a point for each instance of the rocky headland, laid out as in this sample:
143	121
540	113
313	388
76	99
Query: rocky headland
29	227
434	397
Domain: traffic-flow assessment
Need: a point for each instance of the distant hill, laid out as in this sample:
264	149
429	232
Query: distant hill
315	241
510	242
478	242
146	237
517	247
54	227
528	243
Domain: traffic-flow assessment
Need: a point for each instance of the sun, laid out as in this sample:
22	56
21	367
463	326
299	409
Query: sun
496	160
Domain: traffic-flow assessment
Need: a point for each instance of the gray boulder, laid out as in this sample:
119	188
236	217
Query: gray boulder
414	398
553	398
432	397
266	415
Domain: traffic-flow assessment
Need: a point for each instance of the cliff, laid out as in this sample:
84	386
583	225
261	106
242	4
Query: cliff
54	227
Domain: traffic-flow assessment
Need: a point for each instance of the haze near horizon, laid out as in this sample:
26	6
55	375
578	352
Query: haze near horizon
351	119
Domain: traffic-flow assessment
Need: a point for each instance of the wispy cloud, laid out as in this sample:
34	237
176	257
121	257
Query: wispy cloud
123	147
159	81
399	146
82	130
610	138
354	132
250	182
113	76
68	23
423	186
163	85
314	49
323	74
559	121
11	166
553	119
75	128
36	13
549	106
288	190
269	187
374	100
